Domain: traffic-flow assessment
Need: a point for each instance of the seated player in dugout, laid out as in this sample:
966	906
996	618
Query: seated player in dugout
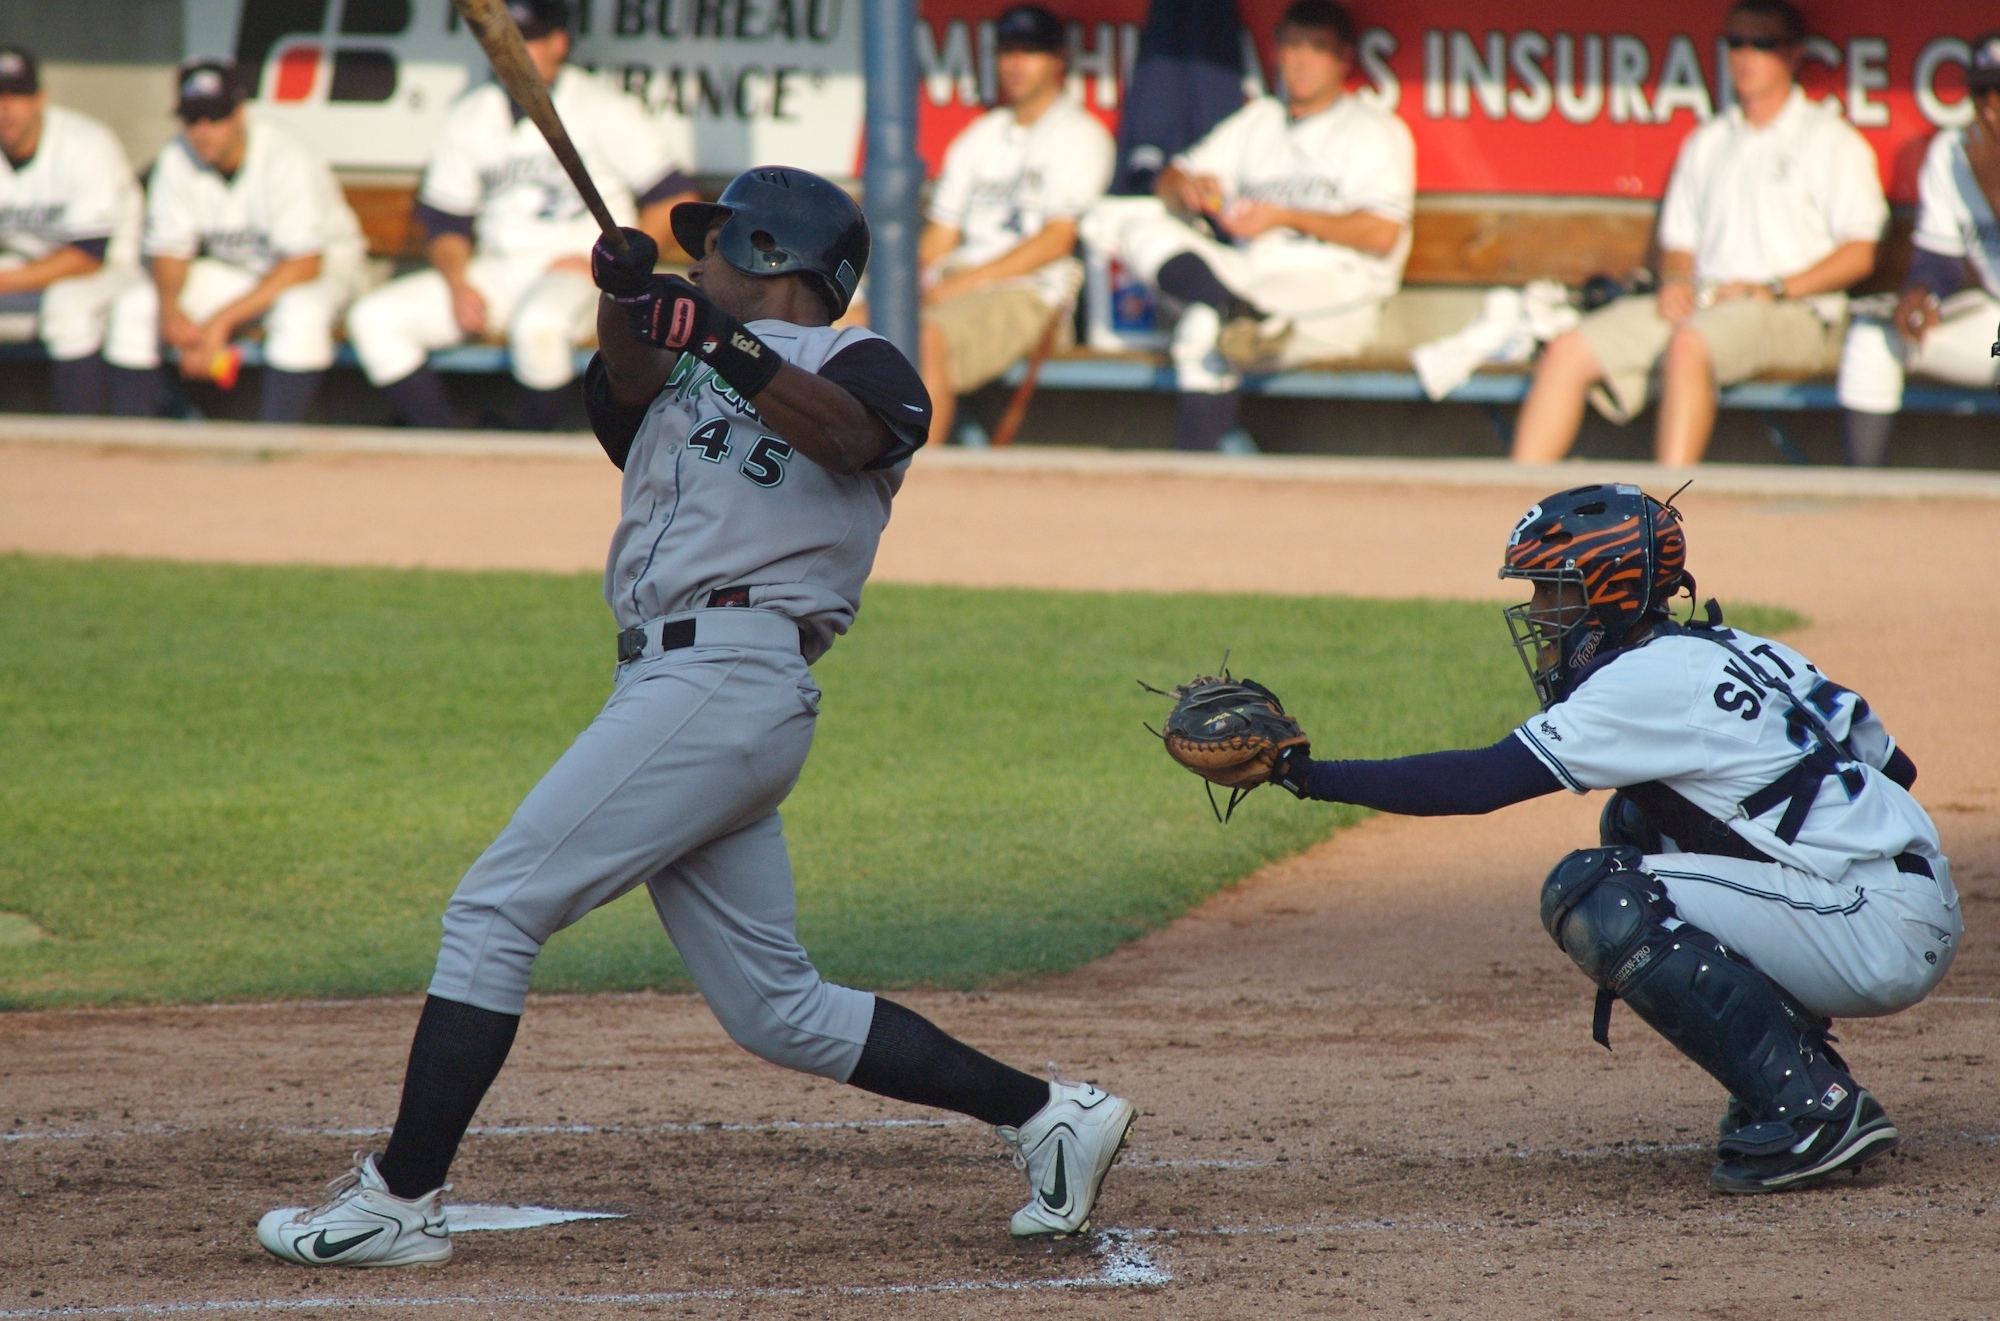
510	236
69	230
1762	868
1772	214
245	227
997	250
1282	231
1942	326
760	449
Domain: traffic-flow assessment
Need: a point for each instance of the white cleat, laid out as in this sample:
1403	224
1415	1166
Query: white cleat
1066	1150
361	1223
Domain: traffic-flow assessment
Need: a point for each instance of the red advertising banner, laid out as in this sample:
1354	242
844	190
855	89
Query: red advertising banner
1556	97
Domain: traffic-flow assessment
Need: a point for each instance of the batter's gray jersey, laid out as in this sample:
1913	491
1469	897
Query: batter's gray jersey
714	503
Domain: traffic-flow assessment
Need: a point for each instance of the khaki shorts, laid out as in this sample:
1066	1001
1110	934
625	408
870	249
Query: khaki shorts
988	330
1746	337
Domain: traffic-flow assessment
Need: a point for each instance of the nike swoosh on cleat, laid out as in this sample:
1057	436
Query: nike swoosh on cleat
324	1250
1057	1198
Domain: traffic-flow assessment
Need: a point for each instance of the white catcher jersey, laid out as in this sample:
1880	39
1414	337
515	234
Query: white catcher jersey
1954	219
1002	182
1348	157
491	165
282	202
1686	712
77	188
714	502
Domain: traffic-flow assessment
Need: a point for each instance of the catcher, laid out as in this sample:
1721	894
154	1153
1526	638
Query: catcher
1762	868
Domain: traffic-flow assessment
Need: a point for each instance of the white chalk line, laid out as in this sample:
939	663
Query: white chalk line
480	1218
496	1130
1124	1263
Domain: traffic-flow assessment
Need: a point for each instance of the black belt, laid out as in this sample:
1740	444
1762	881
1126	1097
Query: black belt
1914	865
673	637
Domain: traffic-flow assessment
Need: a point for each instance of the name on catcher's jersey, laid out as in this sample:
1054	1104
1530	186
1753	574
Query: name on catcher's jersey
495	165
75	189
713	500
1688	713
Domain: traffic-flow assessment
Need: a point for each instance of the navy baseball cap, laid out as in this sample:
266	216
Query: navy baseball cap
20	73
538	18
1983	74
1030	27
208	89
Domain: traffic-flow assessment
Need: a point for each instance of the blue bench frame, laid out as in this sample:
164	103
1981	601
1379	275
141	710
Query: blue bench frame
1491	392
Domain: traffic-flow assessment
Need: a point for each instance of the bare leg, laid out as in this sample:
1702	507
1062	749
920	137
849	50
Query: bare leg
1553	410
940	378
1687	400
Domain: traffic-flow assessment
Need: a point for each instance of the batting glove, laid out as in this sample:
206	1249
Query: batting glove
675	315
628	274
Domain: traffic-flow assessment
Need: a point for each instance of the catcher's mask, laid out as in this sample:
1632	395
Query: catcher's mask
1611	557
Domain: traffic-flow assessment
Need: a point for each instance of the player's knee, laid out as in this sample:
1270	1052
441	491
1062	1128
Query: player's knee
1598	906
1688	348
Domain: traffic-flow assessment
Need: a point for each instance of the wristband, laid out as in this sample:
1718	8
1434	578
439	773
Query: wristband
674	314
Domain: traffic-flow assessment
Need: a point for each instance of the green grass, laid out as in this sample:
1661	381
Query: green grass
229	783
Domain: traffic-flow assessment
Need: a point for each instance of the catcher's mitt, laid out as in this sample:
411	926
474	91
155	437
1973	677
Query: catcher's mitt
1229	731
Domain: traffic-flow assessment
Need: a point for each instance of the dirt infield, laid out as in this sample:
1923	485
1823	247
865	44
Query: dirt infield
1366	1077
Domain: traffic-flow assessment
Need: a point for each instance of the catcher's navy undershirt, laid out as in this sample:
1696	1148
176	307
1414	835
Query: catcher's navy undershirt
1464	782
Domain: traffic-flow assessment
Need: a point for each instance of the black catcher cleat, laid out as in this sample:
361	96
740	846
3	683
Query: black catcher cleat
1848	1144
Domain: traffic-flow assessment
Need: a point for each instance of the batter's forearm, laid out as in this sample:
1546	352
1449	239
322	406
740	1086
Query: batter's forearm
634	372
822	421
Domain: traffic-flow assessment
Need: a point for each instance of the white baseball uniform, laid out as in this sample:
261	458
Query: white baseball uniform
1856	914
1003	181
1954	219
736	563
76	190
493	177
1349	157
281	203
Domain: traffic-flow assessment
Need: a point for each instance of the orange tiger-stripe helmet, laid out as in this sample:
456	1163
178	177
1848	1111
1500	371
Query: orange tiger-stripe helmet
1613	557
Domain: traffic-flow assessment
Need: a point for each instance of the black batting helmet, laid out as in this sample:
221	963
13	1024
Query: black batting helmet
1616	556
782	221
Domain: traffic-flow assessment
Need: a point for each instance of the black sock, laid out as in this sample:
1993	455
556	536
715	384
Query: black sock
1864	437
136	392
1204	419
455	1057
81	385
288	396
419	399
1188	278
543	410
910	1059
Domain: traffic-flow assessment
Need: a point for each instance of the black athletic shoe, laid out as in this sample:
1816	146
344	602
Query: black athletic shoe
1865	1134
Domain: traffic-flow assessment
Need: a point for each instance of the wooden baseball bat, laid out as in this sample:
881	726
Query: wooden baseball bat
508	55
1024	393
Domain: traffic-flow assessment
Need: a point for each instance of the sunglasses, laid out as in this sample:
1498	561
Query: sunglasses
1735	42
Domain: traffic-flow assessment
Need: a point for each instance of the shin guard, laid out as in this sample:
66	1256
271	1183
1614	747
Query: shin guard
1746	1031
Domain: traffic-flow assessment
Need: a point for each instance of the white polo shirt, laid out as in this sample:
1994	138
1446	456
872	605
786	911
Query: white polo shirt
1954	219
1003	181
76	187
1759	204
1348	157
281	203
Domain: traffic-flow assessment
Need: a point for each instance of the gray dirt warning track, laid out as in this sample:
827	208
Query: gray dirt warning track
1365	1075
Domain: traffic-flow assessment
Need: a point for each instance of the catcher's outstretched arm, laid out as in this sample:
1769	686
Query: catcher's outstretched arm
1467	782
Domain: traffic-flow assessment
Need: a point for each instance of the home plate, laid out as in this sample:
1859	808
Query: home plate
474	1219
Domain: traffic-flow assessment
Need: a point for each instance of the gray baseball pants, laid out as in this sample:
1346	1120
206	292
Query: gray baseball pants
674	786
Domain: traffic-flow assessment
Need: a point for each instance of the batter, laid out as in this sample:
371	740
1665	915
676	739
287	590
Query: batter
761	451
